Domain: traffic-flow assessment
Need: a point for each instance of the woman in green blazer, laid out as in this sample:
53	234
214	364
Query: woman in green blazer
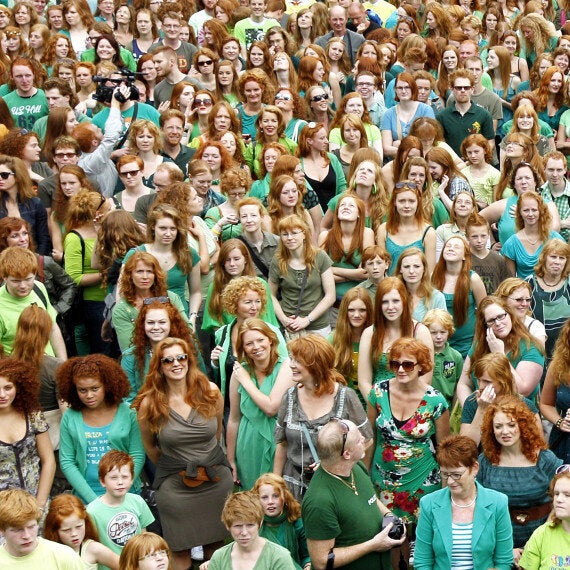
463	522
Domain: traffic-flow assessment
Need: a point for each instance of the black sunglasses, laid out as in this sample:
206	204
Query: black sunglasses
345	429
205	62
6	175
317	98
406	184
407	365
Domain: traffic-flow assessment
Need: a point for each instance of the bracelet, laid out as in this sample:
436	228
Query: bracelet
309	319
194	314
559	421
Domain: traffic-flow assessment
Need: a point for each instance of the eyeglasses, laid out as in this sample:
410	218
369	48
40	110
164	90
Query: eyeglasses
202	102
365	84
205	62
170	359
157	553
283	97
6	175
564	468
497	319
445	475
462	87
150	300
317	98
345	429
514	143
402	87
285	235
406	184
407	365
520	299
237	194
92	39
65	154
130	173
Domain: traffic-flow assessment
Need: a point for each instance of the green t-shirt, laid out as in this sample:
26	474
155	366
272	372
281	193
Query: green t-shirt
547	548
27	110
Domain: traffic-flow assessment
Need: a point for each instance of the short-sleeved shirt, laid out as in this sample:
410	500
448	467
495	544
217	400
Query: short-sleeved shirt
27	110
144	112
562	204
547	548
457	127
48	556
290	286
446	371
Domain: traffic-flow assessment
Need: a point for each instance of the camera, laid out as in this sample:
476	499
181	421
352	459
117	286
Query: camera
104	92
397	531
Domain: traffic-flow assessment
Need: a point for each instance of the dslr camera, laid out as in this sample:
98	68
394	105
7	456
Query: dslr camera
397	531
104	91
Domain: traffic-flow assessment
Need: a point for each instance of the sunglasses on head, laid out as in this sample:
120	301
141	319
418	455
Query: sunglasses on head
150	300
345	429
406	184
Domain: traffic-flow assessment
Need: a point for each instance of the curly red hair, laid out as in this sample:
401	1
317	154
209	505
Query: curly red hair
27	384
531	439
105	369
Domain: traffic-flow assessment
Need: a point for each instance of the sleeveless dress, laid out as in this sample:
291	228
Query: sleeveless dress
255	446
463	335
190	516
404	468
82	551
395	250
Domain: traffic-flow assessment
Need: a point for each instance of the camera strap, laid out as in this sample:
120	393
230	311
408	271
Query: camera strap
133	119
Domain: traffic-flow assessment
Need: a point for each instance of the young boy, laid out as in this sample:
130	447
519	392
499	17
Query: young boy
448	361
488	264
24	550
118	514
375	260
253	28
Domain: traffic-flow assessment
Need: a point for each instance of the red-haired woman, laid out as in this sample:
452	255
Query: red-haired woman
517	462
345	242
26	453
145	34
180	417
409	147
301	281
406	226
392	320
498	329
320	393
551	95
408	414
463	290
94	387
78	18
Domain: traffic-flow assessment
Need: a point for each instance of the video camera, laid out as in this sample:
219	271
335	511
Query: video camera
104	92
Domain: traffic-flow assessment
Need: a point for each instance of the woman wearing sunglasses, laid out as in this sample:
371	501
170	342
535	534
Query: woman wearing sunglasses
204	68
516	461
318	102
497	329
201	107
180	417
409	415
482	514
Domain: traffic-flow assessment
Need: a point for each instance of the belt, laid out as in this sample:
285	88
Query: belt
522	516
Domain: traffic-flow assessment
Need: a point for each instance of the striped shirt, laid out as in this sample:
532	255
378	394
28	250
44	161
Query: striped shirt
461	557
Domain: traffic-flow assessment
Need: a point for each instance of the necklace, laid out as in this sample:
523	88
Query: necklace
553	284
528	239
464	506
350	485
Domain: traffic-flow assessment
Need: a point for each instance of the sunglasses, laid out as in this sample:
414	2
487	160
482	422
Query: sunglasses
6	175
202	102
406	184
150	300
130	173
283	97
170	359
65	154
205	62
345	429
407	365
462	87
565	468
317	98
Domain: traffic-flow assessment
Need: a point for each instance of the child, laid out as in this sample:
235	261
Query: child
375	261
282	521
146	551
482	177
19	516
118	514
448	361
488	264
67	522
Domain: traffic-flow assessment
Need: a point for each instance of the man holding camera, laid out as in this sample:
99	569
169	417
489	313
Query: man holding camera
342	515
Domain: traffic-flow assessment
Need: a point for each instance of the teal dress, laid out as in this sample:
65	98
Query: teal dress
404	468
463	336
395	250
255	446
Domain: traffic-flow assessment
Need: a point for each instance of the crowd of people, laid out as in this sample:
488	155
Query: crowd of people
291	273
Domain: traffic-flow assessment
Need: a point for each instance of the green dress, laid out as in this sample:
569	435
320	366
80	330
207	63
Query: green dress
272	556
255	446
404	468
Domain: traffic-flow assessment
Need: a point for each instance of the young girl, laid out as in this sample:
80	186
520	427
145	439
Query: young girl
282	521
481	176
67	522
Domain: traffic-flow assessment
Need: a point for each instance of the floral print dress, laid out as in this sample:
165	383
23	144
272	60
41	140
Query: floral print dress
404	467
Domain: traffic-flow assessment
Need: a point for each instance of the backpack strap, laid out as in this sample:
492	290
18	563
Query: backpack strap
41	295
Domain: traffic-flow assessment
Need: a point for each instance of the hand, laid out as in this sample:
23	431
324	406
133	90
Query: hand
517	553
513	211
194	230
81	107
163	106
444	182
215	356
495	344
497	246
229	219
361	28
204	565
57	255
382	541
565	424
124	90
239	372
486	397
297	324
233	467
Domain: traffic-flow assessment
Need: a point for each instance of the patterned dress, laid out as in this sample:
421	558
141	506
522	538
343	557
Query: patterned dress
404	467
